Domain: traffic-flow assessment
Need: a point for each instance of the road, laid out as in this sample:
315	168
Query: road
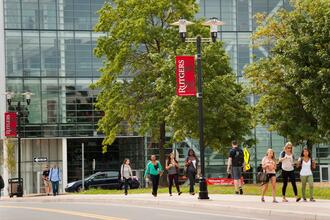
135	208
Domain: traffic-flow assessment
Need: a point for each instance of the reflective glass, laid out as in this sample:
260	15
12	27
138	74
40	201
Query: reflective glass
230	44
67	53
30	14
83	53
12	10
31	53
228	15
47	12
50	59
212	9
201	11
14	85
243	51
33	85
13	53
82	15
95	6
243	15
50	101
66	15
96	62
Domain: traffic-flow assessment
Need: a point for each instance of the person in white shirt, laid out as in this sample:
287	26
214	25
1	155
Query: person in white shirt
287	160
269	167
126	174
306	175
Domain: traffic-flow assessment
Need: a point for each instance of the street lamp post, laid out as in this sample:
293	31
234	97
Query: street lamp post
19	114
213	23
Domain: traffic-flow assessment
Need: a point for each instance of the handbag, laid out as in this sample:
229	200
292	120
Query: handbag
262	177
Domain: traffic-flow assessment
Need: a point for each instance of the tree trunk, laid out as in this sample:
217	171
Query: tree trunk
309	144
162	136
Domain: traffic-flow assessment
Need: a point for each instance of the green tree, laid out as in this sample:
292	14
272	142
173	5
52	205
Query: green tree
294	80
141	45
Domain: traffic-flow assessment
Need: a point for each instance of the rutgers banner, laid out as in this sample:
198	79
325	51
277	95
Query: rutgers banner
10	124
185	76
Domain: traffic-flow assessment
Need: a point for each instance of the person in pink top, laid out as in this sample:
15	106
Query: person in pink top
269	166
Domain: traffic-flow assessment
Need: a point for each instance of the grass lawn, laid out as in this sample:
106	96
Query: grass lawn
321	190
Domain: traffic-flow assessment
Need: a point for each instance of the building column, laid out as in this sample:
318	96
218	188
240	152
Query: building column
65	163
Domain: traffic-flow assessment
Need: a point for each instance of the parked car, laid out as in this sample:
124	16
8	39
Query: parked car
103	180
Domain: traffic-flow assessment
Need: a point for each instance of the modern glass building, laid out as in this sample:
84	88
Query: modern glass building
46	47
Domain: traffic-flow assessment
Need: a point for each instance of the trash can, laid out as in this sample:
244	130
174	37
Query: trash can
13	186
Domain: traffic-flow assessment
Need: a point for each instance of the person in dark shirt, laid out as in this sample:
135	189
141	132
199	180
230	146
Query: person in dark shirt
45	175
191	164
235	166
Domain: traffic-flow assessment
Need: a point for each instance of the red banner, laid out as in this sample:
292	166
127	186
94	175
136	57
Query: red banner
10	124
185	76
221	181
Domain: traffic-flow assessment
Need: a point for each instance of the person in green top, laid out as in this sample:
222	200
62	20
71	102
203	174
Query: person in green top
155	170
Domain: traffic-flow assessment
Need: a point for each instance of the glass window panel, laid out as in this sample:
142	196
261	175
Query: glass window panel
66	15
230	43
30	14
14	85
67	54
97	63
243	16
49	54
212	9
95	6
33	85
13	53
50	101
47	12
83	53
84	100
67	100
31	53
259	6
201	11
12	10
82	15
243	50
228	15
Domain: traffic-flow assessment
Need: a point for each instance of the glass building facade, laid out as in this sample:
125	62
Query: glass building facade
48	50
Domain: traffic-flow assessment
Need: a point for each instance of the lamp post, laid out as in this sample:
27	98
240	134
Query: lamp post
19	114
213	23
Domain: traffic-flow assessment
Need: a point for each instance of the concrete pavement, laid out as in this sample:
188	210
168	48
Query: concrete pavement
228	205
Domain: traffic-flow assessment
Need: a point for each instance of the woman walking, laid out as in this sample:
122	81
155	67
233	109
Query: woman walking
306	164
45	175
191	164
126	174
269	167
154	169
172	167
287	160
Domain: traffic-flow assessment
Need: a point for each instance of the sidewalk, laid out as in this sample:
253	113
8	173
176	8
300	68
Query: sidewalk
229	203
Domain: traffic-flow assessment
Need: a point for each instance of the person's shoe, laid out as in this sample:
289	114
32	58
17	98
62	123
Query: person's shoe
241	191
304	199
262	200
275	201
170	194
298	199
179	193
285	200
312	200
126	193
236	192
192	193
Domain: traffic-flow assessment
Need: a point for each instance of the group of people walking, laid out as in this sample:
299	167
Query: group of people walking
287	165
51	178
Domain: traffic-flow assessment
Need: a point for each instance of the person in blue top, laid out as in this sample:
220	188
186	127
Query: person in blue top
55	178
155	170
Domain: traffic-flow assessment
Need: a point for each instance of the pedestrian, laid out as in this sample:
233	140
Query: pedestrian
269	167
172	167
154	169
126	174
235	166
54	178
287	161
45	175
191	165
2	184
307	166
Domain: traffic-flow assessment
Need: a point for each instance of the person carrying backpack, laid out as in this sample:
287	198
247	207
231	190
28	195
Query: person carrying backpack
235	166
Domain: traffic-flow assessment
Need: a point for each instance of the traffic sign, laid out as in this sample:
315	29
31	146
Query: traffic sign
40	159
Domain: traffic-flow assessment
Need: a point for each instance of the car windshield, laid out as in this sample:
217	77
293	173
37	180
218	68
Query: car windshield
92	176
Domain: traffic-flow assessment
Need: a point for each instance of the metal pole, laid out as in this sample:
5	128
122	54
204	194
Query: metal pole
19	187
203	193
83	165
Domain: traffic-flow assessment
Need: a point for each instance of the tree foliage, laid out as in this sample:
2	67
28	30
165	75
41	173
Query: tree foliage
294	80
141	45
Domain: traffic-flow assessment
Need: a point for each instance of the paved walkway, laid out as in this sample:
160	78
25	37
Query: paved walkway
229	203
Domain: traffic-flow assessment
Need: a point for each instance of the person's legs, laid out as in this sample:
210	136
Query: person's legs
57	183
157	183
303	186
176	181
126	185
237	173
293	182
170	183
263	191
285	183
311	187
54	188
153	180
191	176
273	180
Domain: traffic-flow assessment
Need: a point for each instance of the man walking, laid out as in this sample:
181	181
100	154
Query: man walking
54	178
235	166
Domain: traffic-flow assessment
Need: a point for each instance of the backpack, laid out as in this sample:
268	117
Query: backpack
2	183
238	157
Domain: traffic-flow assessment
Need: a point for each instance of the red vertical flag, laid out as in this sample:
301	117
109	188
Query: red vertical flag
185	76
10	124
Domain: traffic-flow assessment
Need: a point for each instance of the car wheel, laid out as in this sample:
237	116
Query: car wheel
79	189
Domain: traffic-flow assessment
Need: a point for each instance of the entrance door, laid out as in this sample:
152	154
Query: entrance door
325	173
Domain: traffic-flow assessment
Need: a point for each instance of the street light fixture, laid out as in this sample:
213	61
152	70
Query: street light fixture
213	23
19	113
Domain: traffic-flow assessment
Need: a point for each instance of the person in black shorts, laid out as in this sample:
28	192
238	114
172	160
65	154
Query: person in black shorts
269	167
235	166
